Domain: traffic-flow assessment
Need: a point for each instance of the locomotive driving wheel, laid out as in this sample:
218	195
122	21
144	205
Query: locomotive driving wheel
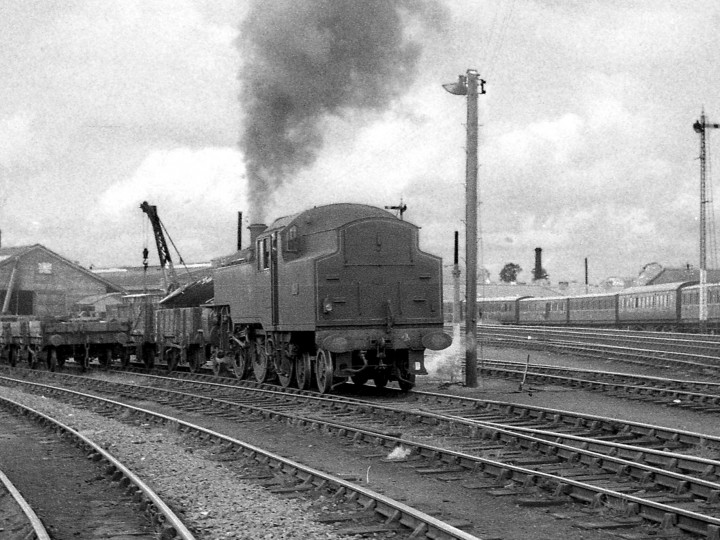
381	378
324	371
262	360
286	373
360	378
303	371
240	365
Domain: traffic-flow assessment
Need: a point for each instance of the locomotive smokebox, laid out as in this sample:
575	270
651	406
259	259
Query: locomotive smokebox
255	230
538	263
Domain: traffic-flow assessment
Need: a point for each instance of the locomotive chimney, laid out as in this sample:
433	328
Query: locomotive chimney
538	263
255	230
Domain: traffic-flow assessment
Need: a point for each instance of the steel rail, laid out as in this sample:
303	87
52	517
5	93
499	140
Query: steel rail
557	416
38	529
587	492
160	513
394	511
634	390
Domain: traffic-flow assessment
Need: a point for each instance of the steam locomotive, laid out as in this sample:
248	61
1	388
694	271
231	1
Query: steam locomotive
336	292
341	291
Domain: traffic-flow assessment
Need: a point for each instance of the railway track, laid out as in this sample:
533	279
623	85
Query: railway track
359	509
696	353
67	468
702	396
18	519
538	458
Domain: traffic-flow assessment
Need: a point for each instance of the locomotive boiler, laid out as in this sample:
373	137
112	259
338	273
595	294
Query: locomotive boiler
336	292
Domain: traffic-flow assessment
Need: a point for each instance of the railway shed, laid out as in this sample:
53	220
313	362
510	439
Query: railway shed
36	281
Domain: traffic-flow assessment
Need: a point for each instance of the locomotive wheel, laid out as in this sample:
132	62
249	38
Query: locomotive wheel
52	359
407	382
361	378
286	373
380	378
241	365
262	361
303	371
324	371
216	366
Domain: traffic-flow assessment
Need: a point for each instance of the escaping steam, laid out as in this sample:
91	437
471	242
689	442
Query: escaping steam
305	60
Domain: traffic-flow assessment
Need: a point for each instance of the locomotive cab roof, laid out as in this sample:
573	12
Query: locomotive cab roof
327	217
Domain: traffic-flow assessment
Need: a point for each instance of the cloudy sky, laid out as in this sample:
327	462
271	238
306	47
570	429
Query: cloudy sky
209	107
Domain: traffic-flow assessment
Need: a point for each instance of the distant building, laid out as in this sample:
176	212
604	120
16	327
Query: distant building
37	281
140	280
674	275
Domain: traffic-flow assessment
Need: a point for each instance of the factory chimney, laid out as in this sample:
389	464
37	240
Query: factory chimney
239	232
538	272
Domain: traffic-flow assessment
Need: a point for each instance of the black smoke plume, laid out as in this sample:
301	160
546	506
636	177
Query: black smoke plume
306	59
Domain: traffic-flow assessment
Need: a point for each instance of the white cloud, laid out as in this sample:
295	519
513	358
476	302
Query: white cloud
16	139
206	178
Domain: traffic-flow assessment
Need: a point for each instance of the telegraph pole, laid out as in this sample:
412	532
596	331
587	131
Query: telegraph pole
470	85
700	126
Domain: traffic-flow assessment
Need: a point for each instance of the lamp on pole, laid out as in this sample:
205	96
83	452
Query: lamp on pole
470	85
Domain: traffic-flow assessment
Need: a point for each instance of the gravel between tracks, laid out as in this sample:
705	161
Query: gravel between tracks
204	493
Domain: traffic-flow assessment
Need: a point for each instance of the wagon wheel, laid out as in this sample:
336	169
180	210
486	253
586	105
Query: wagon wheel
32	358
195	360
171	358
148	356
105	357
324	371
12	355
262	360
52	359
303	371
380	378
124	357
82	358
286	371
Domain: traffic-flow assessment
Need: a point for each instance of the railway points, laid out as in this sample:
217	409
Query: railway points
515	467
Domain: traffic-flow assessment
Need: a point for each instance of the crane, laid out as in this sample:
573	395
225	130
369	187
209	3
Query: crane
170	277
